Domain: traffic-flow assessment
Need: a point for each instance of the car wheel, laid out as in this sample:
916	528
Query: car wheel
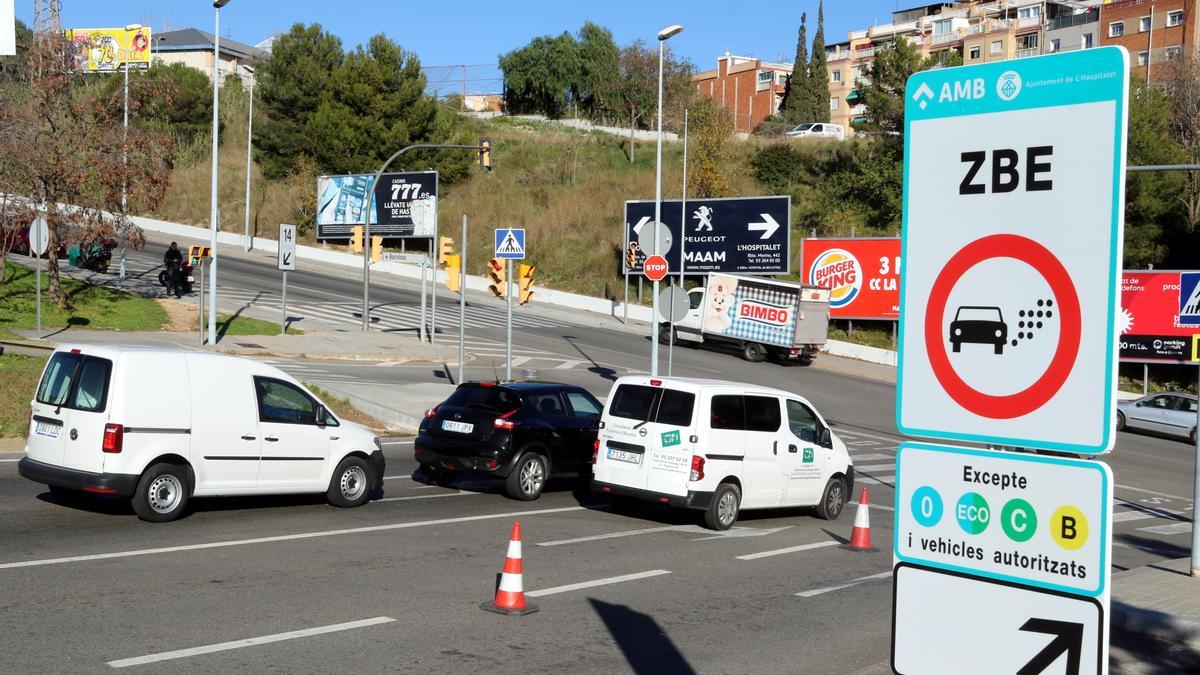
162	493
528	477
722	512
351	483
664	334
833	500
754	352
1192	438
1121	421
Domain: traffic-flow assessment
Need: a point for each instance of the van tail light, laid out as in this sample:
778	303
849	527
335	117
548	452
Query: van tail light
595	450
503	421
430	412
655	383
697	468
114	438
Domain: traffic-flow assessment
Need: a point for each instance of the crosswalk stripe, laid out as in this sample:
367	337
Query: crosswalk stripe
870	457
1173	528
876	467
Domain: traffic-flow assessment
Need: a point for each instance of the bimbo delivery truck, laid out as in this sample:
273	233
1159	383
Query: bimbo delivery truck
760	317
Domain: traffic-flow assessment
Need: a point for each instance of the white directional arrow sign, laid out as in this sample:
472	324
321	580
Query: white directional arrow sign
767	226
637	229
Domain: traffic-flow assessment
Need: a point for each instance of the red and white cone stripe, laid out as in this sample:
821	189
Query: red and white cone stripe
510	595
860	537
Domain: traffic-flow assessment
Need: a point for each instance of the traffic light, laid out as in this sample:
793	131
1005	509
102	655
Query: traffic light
376	249
356	239
485	154
445	248
453	272
198	253
496	274
525	281
631	256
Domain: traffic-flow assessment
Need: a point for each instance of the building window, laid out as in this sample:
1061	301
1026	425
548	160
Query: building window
974	53
1143	24
1116	29
837	76
1175	17
1174	53
1142	58
1029	12
1087	41
941	27
834	103
764	77
1055	45
996	48
1027	41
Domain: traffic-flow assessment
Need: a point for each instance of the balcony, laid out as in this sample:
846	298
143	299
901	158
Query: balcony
1073	20
830	57
1029	21
944	38
991	26
1022	53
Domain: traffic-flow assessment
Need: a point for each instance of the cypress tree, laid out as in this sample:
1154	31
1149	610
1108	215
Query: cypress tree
796	106
818	77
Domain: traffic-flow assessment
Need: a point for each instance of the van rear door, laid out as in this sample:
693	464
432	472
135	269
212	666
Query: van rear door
70	410
669	443
47	428
621	459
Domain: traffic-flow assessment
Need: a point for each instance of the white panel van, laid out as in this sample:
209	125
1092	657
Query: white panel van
162	425
718	447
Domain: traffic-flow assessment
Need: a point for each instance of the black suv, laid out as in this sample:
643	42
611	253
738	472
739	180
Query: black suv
523	432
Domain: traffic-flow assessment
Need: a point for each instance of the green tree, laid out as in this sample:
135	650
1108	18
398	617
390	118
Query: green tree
795	105
636	90
542	76
173	99
818	77
292	85
599	66
882	92
711	127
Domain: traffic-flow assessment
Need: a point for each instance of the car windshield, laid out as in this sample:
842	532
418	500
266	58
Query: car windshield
803	127
978	314
480	397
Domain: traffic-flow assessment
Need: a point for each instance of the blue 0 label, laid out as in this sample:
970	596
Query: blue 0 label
927	506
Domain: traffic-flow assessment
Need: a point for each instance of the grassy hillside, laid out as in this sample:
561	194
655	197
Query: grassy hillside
566	187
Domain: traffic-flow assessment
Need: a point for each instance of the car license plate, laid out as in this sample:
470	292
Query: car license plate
191	279
459	427
623	456
48	429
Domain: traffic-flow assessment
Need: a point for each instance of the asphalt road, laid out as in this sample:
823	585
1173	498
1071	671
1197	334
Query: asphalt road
88	584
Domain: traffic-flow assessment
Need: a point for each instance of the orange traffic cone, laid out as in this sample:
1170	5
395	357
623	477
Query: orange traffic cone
860	537
510	595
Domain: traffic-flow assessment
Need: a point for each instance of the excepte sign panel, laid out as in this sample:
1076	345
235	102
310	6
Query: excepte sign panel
863	275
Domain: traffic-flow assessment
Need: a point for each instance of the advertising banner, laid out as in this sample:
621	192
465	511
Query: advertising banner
104	50
863	275
409	204
1160	316
733	235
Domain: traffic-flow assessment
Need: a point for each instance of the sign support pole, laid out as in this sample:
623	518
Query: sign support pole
1196	489
671	338
424	269
433	292
283	322
462	303
38	274
508	319
125	177
625	320
201	298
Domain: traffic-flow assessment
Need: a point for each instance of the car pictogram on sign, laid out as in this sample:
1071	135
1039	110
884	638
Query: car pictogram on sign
978	325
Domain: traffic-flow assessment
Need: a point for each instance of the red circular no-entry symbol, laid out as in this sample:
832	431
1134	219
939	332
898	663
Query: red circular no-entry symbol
655	268
1037	394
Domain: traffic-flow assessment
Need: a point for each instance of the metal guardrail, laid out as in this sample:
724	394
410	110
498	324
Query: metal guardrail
24	347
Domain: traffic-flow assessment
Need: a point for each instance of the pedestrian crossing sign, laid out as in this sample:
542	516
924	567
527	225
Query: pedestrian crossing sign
510	244
1189	299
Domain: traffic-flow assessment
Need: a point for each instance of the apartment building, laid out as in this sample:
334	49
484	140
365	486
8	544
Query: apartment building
749	88
1153	31
194	48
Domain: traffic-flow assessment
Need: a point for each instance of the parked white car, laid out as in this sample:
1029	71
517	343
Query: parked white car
1169	413
162	425
719	447
824	129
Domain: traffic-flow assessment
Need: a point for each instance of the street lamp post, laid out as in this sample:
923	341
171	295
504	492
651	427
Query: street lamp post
663	35
249	147
213	215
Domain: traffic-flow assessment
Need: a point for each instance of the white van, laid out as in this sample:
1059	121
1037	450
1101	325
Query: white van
824	129
719	447
162	425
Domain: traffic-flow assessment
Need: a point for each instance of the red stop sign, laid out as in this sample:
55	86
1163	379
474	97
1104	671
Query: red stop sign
655	268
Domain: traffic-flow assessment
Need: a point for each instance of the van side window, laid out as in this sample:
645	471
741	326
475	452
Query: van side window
727	412
56	383
280	401
762	413
675	408
695	299
91	386
802	421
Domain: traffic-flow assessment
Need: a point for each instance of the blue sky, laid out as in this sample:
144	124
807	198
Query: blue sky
475	32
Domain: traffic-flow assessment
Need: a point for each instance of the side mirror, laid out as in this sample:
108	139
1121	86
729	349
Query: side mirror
1139	404
322	415
826	438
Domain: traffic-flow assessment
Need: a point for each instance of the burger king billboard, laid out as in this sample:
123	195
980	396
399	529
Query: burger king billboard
862	275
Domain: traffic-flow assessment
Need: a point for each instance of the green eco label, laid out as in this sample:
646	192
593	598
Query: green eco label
808	455
670	438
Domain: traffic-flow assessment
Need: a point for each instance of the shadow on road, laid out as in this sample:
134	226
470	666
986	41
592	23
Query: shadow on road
645	644
602	371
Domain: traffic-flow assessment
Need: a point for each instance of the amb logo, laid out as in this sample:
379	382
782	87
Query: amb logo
839	271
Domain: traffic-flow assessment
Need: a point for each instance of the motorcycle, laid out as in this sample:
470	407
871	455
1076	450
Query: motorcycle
95	257
184	280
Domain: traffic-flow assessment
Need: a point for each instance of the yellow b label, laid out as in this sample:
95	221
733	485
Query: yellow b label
1069	527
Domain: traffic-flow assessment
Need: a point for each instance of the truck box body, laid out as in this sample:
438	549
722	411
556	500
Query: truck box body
780	314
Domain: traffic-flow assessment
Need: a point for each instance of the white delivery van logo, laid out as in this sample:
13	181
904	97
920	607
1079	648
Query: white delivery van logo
760	312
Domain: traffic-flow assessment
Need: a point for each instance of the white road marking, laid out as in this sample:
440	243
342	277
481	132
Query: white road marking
9	460
404	441
518	360
568	363
863	434
784	551
1173	528
1152	492
871	457
876	467
611	535
1143	514
597	582
460	493
862	443
249	642
848	584
284	537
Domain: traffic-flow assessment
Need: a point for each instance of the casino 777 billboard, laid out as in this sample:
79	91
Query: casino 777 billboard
863	275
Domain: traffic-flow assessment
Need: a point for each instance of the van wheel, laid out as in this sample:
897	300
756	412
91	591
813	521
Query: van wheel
528	478
1121	420
350	485
664	334
723	510
162	493
833	500
754	352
